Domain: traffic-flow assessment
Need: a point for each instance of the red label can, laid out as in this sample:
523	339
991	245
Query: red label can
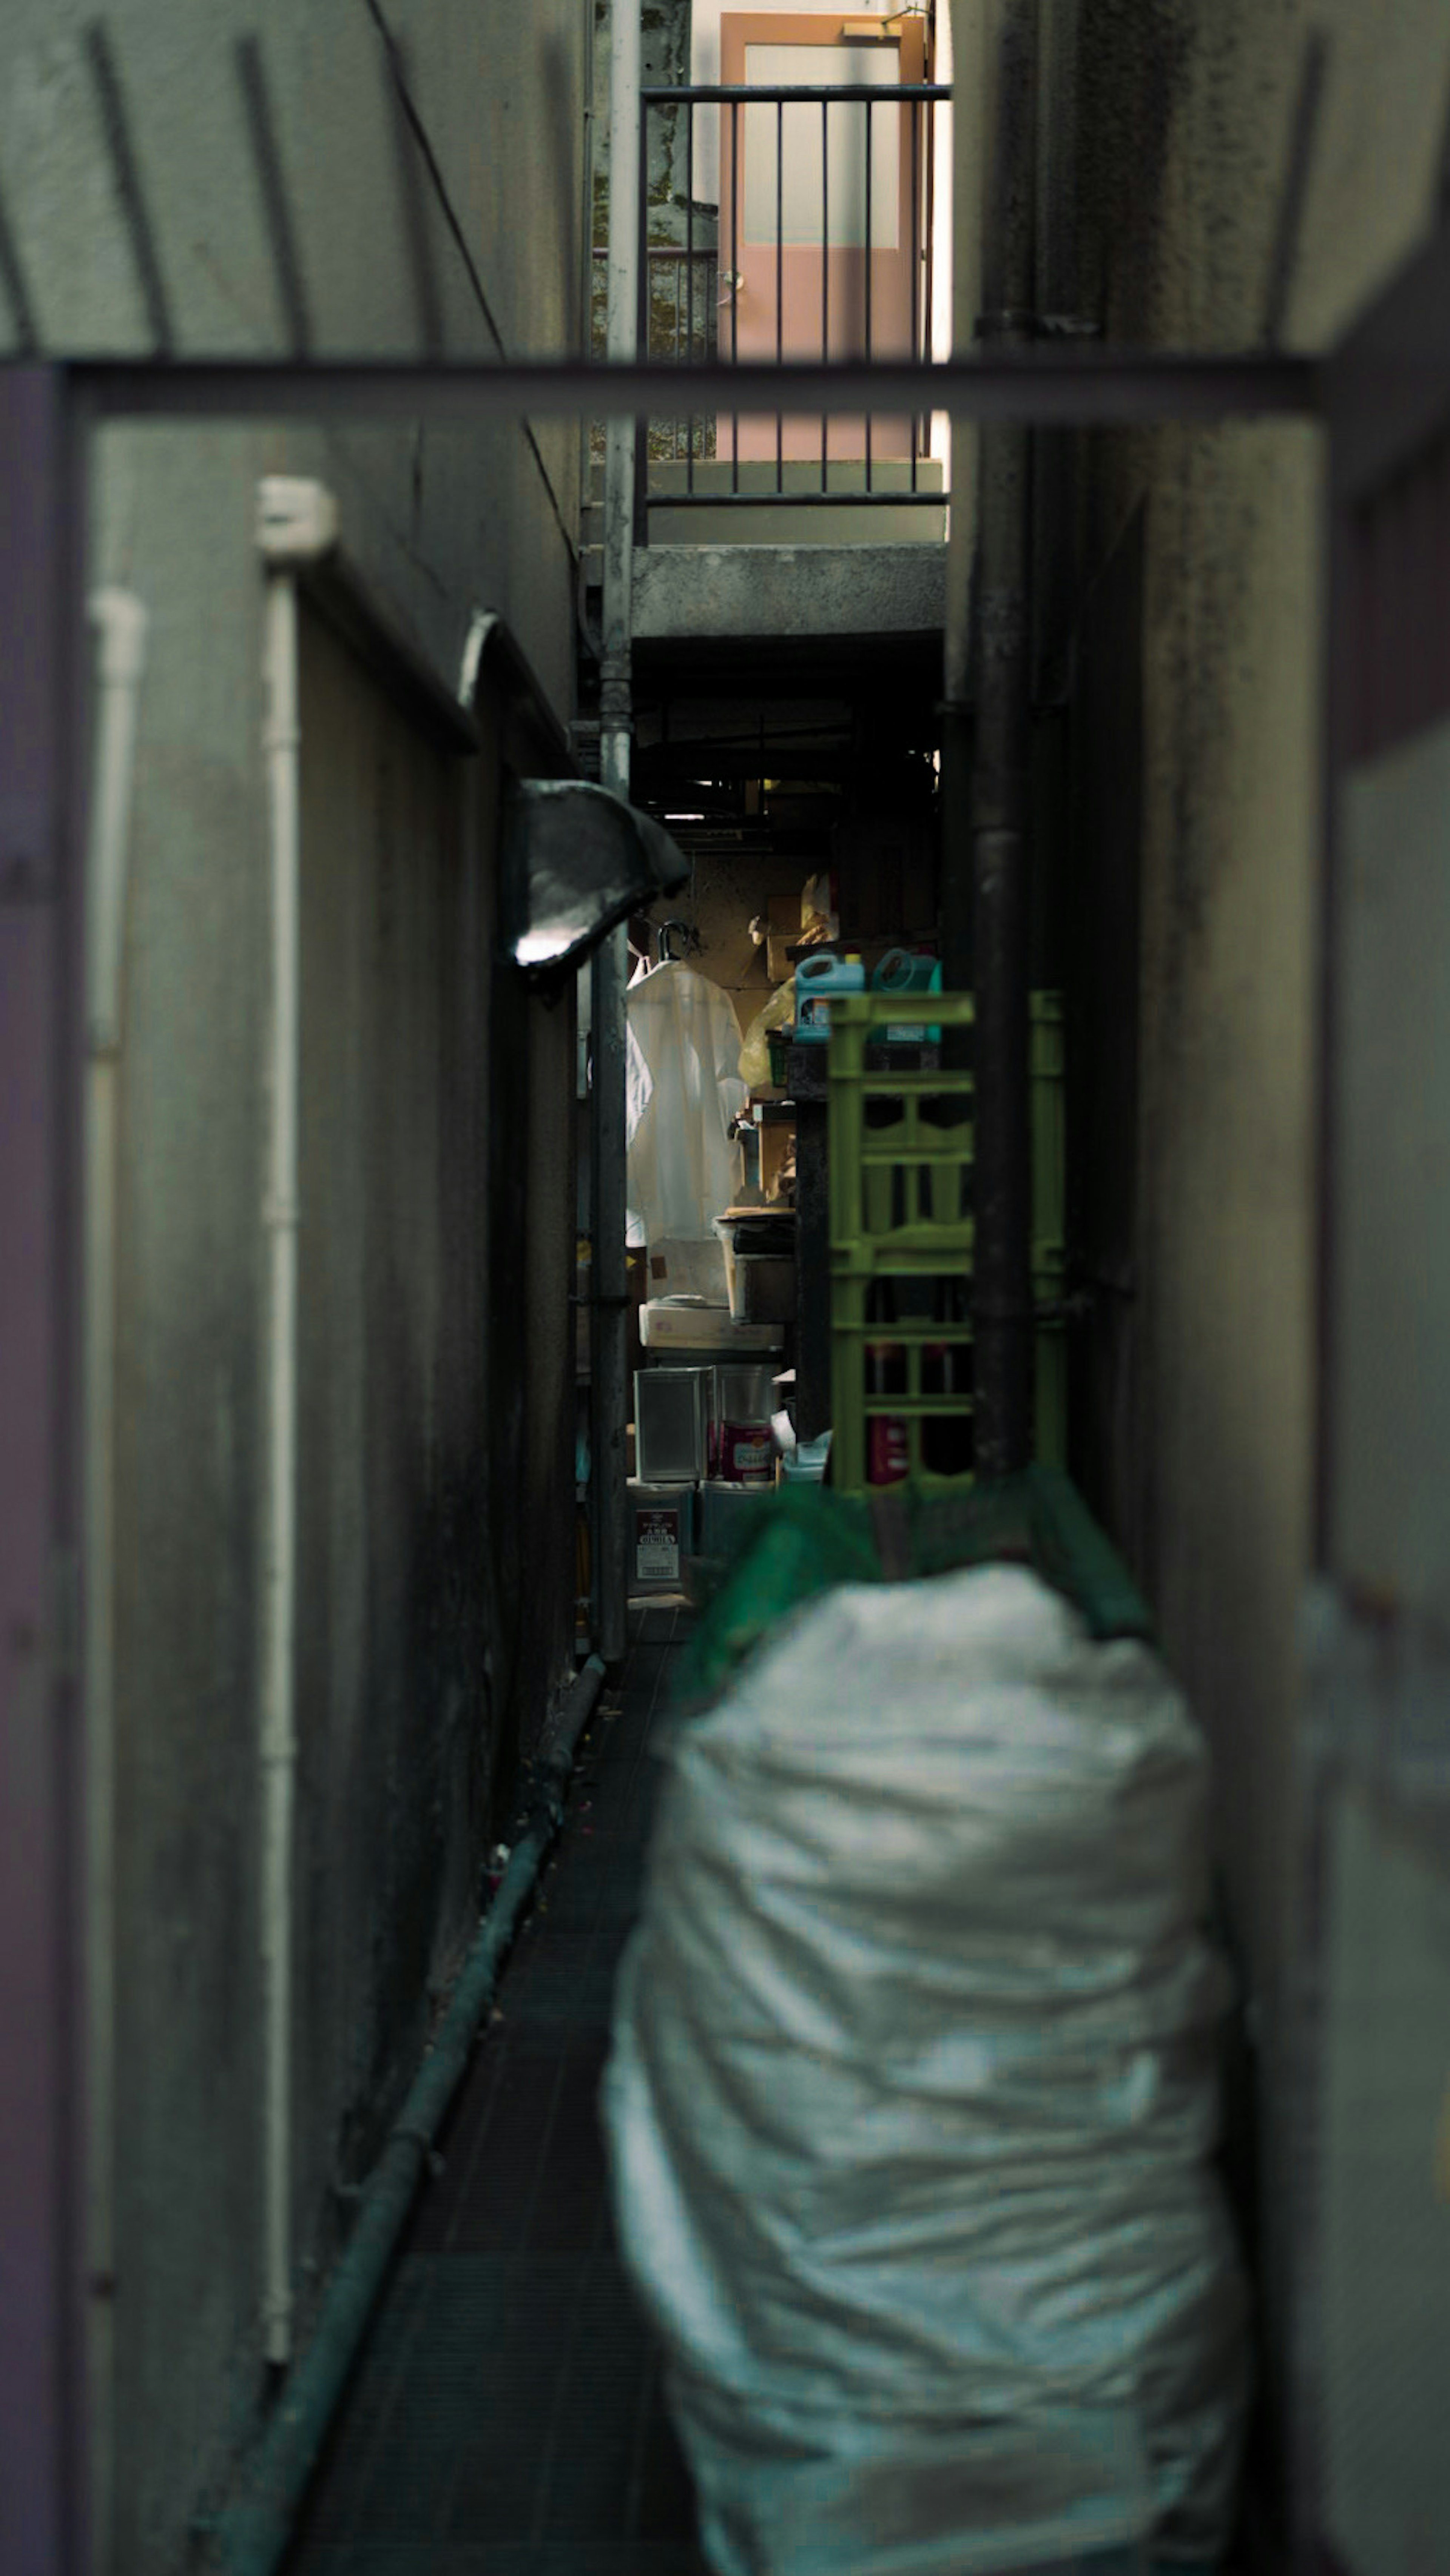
745	1453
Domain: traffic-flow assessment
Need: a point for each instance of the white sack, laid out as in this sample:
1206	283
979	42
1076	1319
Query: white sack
912	2095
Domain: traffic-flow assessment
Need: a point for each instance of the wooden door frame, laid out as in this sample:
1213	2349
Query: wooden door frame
820	31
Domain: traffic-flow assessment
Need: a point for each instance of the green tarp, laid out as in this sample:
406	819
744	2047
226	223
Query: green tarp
807	1539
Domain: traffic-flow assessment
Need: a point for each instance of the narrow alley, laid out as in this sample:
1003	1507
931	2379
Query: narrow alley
724	1288
507	2416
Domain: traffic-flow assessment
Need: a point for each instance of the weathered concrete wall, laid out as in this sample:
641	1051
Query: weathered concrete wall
423	1659
375	263
1187	128
394	1720
807	591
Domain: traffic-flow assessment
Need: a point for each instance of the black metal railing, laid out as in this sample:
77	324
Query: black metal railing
822	238
678	323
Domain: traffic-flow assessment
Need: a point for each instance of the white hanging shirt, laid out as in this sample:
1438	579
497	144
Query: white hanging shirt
682	1089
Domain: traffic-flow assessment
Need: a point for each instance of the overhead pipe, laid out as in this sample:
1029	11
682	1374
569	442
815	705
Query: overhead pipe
297	523
996	817
122	624
251	2536
609	974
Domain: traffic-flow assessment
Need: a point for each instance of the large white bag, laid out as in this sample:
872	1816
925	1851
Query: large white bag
912	2097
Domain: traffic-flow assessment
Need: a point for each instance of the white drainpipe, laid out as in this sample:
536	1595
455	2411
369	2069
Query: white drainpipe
297	522
121	621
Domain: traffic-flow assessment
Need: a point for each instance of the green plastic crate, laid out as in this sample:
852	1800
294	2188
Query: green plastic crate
899	1163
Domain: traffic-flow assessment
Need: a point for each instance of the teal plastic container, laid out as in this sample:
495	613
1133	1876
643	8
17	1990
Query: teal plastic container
902	971
816	979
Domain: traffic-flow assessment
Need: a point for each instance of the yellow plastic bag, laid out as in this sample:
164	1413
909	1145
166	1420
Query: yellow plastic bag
755	1053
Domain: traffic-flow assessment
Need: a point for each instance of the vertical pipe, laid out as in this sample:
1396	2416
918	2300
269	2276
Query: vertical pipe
1059	292
968	144
610	966
586	318
277	1741
690	283
1002	1288
122	623
644	322
297	522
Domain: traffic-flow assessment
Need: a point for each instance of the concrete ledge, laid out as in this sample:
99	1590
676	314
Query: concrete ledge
716	592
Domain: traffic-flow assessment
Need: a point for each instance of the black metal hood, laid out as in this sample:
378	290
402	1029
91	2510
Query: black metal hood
578	860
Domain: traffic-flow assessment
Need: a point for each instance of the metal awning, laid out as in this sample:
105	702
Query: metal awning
578	860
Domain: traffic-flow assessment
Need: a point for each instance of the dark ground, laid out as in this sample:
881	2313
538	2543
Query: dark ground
506	2416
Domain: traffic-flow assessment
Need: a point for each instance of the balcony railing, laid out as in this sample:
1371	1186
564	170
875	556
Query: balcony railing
813	238
678	322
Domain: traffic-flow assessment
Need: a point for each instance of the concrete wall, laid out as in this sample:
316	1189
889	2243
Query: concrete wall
1187	233
436	1408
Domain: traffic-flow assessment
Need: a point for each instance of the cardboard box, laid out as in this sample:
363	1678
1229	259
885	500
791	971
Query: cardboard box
777	1145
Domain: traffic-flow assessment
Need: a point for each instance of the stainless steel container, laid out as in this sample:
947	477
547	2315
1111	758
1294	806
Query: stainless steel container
671	1419
744	1392
724	1516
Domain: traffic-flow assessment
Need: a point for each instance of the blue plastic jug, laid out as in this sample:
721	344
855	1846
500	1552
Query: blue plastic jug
816	978
902	971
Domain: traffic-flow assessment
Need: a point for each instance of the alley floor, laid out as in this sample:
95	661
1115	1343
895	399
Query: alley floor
506	2416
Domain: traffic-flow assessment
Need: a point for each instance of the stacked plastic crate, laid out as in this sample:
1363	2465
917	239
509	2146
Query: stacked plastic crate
900	1167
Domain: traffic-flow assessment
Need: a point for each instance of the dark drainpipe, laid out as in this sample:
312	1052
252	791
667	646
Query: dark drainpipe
1000	659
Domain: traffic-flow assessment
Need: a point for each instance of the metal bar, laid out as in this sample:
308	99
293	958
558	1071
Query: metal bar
642	340
794	94
735	287
589	264
1050	386
928	247
44	2440
915	115
690	286
675	359
876	499
1342	555
779	283
825	281
868	286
